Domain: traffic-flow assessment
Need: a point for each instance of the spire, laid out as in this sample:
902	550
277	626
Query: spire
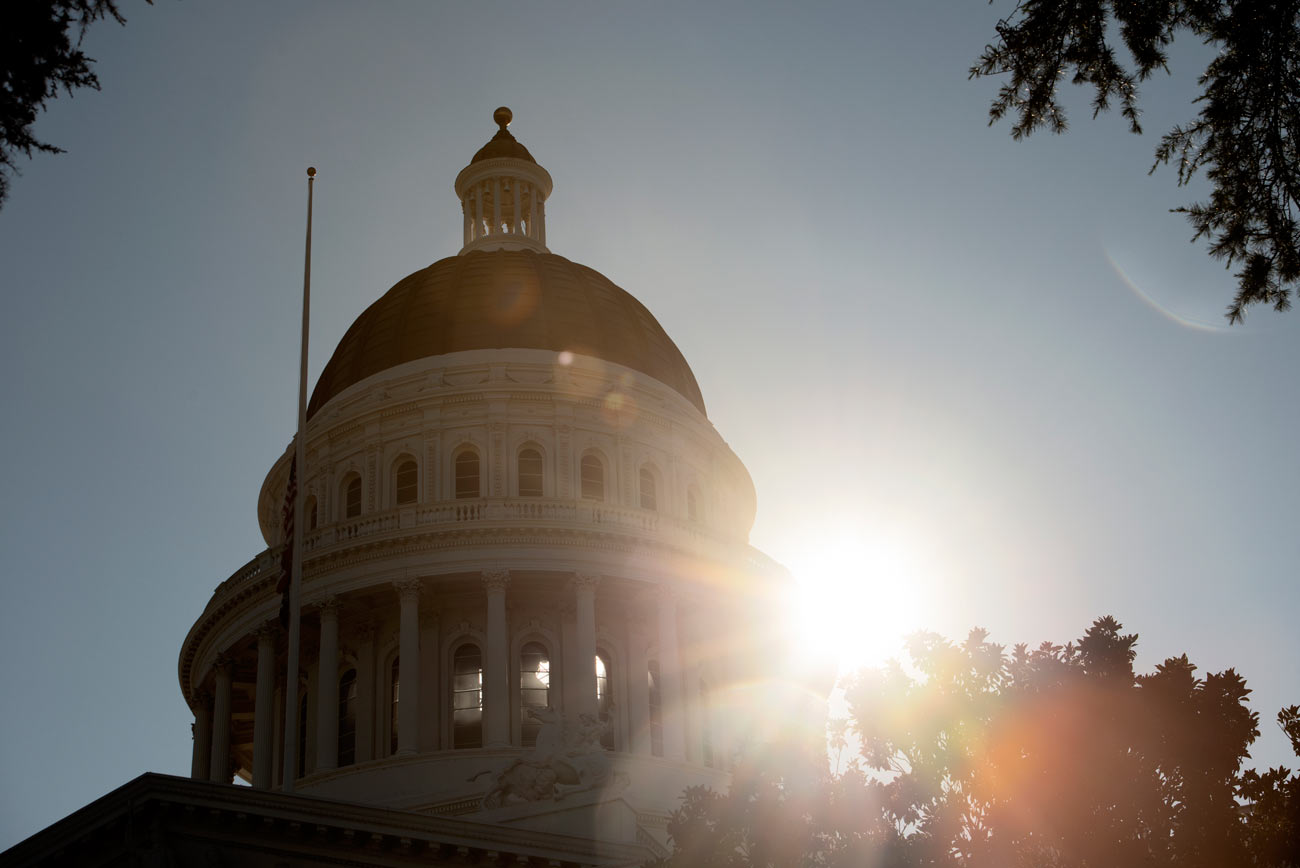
502	194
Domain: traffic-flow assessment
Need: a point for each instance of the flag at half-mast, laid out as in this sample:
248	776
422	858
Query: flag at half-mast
286	554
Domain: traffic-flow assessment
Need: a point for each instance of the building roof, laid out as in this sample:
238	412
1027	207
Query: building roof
505	299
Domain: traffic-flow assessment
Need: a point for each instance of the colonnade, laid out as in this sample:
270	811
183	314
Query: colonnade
495	206
212	725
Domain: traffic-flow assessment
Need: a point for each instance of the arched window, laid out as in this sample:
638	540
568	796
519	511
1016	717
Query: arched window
692	508
394	685
405	483
302	736
592	473
309	508
530	473
467	475
348	718
534	689
467	697
656	710
352	498
604	701
648	499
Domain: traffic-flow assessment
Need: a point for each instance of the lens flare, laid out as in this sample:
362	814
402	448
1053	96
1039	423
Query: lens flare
857	596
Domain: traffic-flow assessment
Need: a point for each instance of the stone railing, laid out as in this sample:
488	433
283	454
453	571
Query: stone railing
489	512
531	510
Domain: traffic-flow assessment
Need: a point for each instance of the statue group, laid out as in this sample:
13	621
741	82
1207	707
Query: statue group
568	758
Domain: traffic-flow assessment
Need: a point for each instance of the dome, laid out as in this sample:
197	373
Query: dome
505	299
502	144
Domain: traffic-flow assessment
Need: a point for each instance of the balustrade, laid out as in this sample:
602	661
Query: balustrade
572	513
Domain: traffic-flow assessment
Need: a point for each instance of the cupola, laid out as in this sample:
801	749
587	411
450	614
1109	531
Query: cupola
503	195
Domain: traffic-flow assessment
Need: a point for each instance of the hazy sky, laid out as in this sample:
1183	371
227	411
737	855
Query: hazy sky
986	382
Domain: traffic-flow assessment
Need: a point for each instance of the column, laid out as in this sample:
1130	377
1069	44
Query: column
584	589
496	669
532	211
263	706
202	730
517	221
327	692
219	758
638	690
428	730
670	671
366	692
496	206
408	648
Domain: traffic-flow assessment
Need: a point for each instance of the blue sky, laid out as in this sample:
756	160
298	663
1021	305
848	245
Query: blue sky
991	379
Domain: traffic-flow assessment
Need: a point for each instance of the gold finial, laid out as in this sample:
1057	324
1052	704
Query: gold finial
311	171
503	117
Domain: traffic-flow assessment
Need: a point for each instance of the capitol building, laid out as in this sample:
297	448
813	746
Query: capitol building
531	616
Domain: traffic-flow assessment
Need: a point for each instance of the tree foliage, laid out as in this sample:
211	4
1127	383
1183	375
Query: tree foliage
1244	138
1057	757
38	57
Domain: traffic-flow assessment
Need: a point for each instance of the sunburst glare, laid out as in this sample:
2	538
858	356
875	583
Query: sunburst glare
858	593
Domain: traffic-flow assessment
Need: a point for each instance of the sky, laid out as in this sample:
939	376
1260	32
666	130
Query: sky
977	382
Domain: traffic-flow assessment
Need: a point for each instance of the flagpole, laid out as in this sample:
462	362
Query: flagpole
290	771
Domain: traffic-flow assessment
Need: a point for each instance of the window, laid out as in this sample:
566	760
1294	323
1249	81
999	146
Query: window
352	498
604	701
394	682
348	718
467	696
405	482
467	475
656	711
530	473
534	689
592	473
309	510
648	499
692	510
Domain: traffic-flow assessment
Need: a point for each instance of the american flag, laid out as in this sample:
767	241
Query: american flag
286	554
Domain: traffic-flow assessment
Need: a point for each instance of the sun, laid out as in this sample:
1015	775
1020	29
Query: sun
857	595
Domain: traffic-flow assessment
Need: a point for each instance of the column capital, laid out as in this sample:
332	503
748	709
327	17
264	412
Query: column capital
409	589
585	581
223	664
267	630
496	581
327	605
203	701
